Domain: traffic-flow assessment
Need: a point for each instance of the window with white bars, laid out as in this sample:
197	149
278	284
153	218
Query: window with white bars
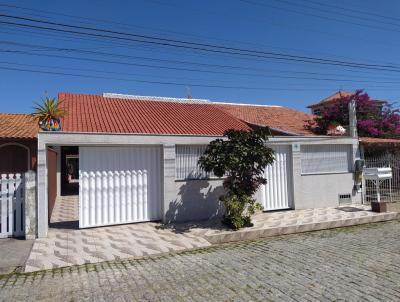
187	157
325	159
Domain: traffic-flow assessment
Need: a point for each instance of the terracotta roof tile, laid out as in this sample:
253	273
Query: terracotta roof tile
17	126
94	113
377	141
279	118
336	96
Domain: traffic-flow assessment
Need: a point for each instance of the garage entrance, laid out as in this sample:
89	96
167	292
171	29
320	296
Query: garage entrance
277	193
69	170
119	185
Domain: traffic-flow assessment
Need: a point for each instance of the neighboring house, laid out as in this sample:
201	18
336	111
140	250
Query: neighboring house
18	143
368	145
137	159
316	109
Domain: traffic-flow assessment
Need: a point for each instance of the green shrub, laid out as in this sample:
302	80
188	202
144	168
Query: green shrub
239	210
241	158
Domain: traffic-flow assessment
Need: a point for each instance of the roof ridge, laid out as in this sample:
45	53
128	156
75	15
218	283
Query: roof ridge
151	98
246	104
121	96
11	113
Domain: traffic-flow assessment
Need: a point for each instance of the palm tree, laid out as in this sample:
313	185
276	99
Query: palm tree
48	113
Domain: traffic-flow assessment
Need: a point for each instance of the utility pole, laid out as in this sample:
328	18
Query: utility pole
352	119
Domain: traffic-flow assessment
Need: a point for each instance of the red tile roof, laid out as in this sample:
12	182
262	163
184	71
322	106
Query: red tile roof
338	95
18	126
335	96
379	141
94	113
280	118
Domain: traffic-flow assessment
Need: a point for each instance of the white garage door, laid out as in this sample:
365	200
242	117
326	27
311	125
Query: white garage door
277	193
119	185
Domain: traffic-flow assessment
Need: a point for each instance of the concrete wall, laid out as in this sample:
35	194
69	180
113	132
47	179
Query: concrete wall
322	190
186	200
195	200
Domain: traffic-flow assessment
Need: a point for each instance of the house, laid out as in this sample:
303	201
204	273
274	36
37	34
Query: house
18	143
368	145
137	159
316	108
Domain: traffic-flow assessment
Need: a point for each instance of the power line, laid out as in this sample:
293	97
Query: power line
342	12
169	31
148	48
107	72
234	67
208	50
353	10
296	27
317	16
159	82
191	45
201	71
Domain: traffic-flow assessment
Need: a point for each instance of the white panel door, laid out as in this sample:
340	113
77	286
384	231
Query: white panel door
119	185
277	193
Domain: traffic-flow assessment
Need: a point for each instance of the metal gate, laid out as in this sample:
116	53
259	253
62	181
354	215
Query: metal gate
277	193
119	185
389	189
11	205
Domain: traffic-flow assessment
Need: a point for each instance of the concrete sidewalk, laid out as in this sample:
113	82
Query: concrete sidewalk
66	245
14	254
268	224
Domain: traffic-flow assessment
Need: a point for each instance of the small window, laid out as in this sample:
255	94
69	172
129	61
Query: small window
187	157
317	111
317	159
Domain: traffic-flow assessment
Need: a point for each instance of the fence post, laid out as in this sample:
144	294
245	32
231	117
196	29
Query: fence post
30	205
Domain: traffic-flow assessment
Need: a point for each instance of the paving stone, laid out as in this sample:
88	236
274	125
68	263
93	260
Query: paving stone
359	263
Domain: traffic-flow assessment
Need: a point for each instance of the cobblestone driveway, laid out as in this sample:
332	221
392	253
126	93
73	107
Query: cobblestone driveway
351	264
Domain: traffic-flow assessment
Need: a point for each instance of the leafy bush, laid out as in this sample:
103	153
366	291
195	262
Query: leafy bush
239	210
242	158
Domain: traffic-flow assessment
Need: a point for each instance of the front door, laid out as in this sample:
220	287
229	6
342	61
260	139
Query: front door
277	193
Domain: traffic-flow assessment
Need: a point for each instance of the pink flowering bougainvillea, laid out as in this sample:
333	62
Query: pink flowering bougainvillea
374	118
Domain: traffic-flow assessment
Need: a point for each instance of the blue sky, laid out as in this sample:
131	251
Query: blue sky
352	31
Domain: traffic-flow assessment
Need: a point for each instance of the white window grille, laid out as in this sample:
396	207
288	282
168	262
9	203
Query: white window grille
316	159
187	157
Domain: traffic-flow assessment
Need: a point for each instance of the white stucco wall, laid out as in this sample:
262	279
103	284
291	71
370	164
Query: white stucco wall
320	191
195	200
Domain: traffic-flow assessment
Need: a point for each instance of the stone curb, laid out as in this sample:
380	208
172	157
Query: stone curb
270	232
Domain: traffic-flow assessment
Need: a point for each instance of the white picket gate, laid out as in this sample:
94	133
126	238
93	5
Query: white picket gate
11	205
